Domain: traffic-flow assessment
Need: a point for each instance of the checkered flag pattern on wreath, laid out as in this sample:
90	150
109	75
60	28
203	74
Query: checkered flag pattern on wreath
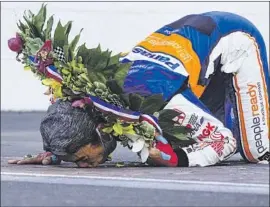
60	54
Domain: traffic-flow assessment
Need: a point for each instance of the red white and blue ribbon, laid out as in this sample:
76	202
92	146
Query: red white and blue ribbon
51	70
122	114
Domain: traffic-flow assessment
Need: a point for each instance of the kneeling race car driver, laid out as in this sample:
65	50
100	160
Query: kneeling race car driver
212	67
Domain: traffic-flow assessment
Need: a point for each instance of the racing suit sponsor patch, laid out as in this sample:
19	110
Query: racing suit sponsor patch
194	124
218	147
173	45
210	131
178	120
256	116
192	121
158	57
206	131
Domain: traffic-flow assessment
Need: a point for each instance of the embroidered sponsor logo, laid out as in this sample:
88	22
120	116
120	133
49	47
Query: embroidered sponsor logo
194	124
206	131
210	131
178	120
218	147
256	120
163	59
180	50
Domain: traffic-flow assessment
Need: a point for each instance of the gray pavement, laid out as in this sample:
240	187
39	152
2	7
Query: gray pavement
233	183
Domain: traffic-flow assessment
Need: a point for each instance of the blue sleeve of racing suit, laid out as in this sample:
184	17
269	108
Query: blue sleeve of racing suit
147	77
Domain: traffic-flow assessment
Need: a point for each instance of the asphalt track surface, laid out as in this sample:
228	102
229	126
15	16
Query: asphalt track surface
233	183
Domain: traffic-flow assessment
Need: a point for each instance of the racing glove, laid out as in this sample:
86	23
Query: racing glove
162	154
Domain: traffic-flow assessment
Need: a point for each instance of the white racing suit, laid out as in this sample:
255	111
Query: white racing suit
211	67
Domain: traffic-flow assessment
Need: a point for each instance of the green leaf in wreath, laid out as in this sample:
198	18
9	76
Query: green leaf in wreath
94	76
84	52
40	18
118	129
110	71
29	14
179	130
33	32
33	45
99	48
167	115
135	101
59	39
48	29
168	126
67	28
125	98
65	50
174	133
73	44
98	60
152	104
114	87
21	26
101	78
102	61
121	73
107	130
180	137
114	60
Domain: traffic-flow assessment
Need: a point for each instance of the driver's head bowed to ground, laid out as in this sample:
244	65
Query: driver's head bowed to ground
69	134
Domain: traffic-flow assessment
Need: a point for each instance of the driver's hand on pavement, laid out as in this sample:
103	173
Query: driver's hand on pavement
44	158
162	154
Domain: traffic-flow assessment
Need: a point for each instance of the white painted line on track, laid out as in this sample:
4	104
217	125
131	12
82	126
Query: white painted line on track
129	182
133	179
19	133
